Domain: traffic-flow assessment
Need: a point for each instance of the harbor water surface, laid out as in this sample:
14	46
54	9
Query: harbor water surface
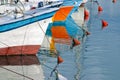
98	57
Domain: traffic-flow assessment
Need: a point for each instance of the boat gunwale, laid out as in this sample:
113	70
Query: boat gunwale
29	18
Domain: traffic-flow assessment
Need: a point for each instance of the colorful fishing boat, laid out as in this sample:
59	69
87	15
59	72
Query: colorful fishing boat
23	26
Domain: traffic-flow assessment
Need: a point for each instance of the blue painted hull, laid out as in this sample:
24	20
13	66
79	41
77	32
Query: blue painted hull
23	22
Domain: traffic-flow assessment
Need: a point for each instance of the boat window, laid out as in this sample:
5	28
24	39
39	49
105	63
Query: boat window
40	4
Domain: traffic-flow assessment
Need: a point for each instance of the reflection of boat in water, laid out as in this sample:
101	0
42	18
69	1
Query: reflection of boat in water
22	30
20	68
67	25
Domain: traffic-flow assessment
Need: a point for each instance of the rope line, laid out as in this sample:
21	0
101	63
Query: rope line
16	73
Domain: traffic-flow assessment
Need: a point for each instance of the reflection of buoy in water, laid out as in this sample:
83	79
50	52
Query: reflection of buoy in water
87	33
75	42
100	8
86	13
59	60
104	24
114	1
86	18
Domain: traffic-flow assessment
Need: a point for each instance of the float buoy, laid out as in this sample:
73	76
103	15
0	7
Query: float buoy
59	59
104	23
100	8
86	13
75	42
87	33
114	1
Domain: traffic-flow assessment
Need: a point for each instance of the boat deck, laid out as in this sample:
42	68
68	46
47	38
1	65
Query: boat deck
8	18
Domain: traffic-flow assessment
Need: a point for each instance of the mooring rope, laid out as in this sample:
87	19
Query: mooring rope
16	73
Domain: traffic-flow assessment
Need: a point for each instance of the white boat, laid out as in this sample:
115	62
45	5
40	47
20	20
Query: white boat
22	29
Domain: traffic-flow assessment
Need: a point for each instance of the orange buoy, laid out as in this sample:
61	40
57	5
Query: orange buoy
75	42
86	18
100	8
86	13
114	1
104	23
59	60
87	33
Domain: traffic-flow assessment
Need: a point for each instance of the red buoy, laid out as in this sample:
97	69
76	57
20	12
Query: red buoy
114	1
59	60
104	23
86	13
75	42
100	8
86	18
87	33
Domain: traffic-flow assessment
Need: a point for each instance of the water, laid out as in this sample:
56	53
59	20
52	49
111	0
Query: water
98	57
70	68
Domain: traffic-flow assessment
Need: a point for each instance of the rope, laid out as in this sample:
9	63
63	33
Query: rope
6	14
22	5
43	31
16	73
40	27
54	70
12	11
23	47
46	66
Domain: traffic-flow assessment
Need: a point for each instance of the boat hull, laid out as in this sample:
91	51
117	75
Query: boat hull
23	40
17	50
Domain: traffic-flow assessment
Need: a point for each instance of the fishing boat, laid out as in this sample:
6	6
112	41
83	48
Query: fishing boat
23	25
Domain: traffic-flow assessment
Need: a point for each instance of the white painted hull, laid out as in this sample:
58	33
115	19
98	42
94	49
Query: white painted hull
17	40
24	33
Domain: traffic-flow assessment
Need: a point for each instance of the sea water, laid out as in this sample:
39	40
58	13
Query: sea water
98	57
101	56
